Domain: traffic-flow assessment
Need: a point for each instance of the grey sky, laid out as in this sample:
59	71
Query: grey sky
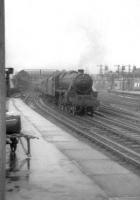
71	33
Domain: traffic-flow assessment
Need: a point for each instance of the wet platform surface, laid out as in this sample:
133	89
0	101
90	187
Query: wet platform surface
63	168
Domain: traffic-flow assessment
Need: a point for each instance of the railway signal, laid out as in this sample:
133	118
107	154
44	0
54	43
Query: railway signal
8	71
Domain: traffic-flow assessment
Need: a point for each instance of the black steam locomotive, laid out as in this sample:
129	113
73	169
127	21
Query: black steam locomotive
72	91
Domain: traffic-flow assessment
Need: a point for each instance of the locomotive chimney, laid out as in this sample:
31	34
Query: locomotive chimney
80	71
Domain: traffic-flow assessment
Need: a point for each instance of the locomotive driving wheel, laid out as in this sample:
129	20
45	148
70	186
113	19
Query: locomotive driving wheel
90	111
68	109
73	110
62	107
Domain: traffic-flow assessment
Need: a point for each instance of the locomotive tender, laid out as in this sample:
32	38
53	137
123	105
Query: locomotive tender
71	90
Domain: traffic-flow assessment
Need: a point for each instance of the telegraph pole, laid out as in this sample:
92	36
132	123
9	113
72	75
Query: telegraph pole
2	102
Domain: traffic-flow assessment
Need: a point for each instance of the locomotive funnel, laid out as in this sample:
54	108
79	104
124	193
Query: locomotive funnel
80	71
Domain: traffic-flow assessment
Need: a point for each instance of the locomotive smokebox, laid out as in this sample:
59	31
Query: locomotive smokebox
83	83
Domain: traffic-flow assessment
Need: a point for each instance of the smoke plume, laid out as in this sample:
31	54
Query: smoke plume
94	53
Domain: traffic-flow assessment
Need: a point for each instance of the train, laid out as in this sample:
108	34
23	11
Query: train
72	91
22	81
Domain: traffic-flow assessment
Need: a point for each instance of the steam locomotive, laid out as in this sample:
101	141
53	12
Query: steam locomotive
22	81
72	91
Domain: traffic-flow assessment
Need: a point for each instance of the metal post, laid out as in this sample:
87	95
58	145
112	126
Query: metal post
28	146
2	102
7	84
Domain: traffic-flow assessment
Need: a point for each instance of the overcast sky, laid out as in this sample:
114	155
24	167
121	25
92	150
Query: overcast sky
72	33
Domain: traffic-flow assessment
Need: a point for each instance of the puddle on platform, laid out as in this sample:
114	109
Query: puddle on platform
17	171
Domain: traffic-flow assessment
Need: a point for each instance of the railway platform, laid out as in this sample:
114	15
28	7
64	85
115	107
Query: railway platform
62	167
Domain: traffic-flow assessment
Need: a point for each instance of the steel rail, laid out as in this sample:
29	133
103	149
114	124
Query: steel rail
90	133
121	124
119	112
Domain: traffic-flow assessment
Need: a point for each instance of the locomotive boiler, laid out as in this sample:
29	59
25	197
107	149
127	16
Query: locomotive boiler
72	91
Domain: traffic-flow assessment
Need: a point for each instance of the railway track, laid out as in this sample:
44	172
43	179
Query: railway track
120	97
118	127
128	102
125	124
122	137
126	146
108	111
